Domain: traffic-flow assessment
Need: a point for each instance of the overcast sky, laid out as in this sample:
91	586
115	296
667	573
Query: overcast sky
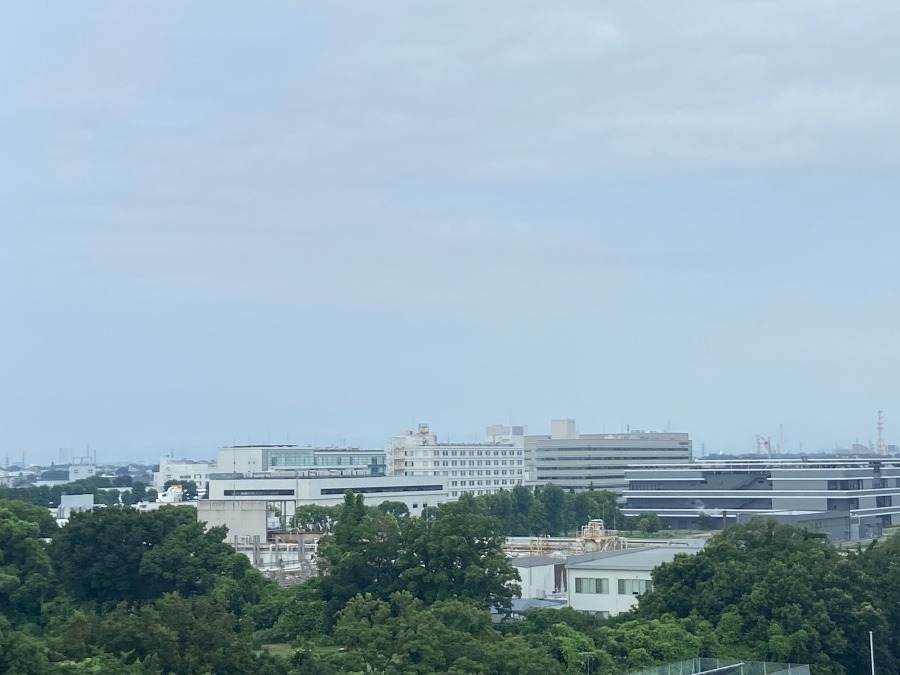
327	220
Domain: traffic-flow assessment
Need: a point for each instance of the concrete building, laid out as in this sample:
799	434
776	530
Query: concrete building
542	576
865	492
244	504
606	584
81	471
69	504
582	461
262	460
182	470
252	460
477	468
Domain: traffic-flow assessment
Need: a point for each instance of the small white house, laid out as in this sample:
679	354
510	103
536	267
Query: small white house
608	583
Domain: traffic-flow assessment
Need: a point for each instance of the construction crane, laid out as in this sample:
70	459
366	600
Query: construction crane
763	442
880	447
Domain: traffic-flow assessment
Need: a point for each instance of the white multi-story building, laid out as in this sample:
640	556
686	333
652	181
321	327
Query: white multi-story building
477	468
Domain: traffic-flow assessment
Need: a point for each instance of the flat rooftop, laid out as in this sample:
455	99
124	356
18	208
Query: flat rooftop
644	559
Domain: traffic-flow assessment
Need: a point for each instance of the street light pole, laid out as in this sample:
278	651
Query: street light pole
872	651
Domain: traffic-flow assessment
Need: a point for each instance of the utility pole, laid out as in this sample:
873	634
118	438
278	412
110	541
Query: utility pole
872	651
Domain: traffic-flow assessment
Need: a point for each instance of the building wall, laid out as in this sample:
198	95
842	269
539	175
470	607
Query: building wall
287	493
244	519
609	603
583	461
541	581
245	459
81	471
477	468
182	470
867	489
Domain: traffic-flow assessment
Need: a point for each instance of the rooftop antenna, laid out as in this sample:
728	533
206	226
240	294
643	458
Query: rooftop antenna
880	428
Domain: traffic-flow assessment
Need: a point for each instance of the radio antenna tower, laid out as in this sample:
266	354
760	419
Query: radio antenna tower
880	428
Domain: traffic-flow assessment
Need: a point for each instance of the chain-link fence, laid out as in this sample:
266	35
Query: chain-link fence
725	667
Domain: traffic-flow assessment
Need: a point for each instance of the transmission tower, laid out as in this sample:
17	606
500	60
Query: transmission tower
880	428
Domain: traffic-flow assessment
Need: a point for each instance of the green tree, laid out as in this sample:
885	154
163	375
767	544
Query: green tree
650	523
151	553
554	500
396	509
402	635
188	637
31	513
359	556
26	576
315	518
774	592
458	555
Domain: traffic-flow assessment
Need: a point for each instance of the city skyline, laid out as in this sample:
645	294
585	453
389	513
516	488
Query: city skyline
205	451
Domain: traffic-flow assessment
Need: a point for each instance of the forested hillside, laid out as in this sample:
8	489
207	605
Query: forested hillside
122	592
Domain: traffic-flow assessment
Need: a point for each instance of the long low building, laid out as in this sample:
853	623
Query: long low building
245	505
865	491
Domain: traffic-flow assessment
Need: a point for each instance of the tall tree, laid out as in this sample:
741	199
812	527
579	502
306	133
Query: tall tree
458	555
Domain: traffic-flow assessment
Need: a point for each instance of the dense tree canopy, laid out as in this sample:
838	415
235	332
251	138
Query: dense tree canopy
123	592
551	510
779	593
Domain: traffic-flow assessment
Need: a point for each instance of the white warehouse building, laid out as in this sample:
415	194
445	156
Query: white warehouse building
609	583
477	468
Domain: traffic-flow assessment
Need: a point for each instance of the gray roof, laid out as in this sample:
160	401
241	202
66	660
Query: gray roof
537	561
630	559
520	605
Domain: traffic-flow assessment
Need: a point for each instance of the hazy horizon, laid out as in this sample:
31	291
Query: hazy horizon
333	221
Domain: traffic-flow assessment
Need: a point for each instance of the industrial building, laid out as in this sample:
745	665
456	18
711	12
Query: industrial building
584	461
857	496
609	583
477	468
247	505
283	460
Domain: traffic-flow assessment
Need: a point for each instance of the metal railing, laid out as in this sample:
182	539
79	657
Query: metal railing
725	667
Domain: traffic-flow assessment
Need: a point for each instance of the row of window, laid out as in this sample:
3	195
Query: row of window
495	472
470	463
464	453
626	586
488	491
290	458
497	481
